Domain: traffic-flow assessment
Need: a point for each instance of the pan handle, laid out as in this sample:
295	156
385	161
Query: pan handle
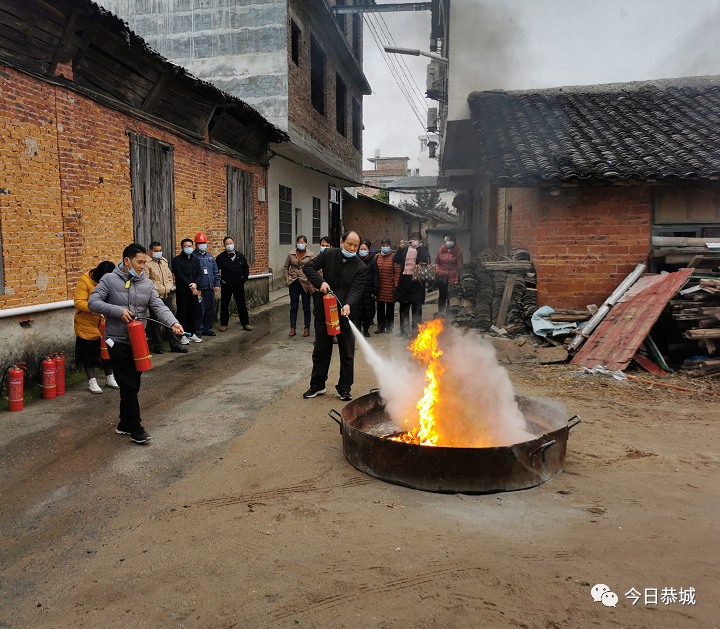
571	426
374	390
542	449
338	419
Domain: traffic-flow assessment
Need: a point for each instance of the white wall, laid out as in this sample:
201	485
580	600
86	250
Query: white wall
528	44
305	185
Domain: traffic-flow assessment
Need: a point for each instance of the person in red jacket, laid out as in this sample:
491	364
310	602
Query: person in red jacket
389	274
447	262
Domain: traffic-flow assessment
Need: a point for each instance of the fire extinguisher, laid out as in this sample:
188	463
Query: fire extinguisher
332	318
49	379
138	342
60	372
16	377
104	354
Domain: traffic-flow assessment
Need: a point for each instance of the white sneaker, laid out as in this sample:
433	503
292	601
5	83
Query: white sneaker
111	382
184	340
94	386
195	338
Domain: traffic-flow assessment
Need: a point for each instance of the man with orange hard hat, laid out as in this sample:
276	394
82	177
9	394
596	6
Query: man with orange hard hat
208	286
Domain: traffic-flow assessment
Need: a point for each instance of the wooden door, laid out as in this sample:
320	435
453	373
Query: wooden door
241	211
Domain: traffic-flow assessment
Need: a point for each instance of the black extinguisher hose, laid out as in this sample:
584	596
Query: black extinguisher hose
2	380
169	327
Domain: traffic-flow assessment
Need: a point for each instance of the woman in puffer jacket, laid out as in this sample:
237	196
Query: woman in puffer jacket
367	306
449	259
388	275
87	329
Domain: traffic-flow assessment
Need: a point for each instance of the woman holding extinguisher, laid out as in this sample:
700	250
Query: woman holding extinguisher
87	329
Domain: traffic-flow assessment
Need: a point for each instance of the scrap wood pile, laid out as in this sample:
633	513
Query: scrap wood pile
494	291
701	366
695	312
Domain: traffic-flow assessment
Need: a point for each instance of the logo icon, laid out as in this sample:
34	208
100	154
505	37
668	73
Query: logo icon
609	599
602	593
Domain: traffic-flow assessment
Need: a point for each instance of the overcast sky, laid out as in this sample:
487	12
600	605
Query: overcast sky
524	44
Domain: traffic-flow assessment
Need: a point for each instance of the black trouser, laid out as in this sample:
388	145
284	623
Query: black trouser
405	316
155	329
186	308
443	287
128	379
227	291
322	353
297	292
386	315
367	313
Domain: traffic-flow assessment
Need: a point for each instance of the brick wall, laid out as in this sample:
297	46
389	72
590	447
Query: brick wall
389	166
583	241
66	170
374	221
322	128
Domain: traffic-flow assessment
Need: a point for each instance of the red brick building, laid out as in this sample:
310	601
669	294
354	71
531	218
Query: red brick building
103	142
585	177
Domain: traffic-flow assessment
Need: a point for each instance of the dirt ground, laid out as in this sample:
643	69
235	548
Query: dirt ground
242	511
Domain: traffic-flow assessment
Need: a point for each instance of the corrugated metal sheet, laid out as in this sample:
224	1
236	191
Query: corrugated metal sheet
617	339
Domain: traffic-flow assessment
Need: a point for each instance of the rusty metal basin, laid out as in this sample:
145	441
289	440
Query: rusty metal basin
365	426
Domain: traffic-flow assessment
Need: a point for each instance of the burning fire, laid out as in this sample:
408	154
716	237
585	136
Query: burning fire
426	349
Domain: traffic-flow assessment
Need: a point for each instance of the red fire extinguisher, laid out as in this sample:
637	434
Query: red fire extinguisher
138	341
16	377
60	372
332	317
49	379
103	346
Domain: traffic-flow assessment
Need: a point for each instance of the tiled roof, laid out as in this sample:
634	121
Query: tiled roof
653	130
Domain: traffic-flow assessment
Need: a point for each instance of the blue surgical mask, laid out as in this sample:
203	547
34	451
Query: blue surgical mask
322	249
187	251
385	250
347	254
449	244
134	273
157	255
414	243
202	247
230	248
301	246
363	254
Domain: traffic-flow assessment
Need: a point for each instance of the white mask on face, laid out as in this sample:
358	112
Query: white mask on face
157	255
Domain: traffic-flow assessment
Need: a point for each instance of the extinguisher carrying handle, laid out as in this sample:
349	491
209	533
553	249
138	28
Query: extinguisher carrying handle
169	327
339	302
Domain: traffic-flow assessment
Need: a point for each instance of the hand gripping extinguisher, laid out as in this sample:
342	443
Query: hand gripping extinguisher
332	317
104	354
59	358
16	377
49	378
138	342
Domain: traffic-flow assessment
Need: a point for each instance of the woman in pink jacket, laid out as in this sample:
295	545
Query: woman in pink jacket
447	262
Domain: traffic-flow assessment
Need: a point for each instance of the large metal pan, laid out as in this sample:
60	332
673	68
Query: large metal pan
365	426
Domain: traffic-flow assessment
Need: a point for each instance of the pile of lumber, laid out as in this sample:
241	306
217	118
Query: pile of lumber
696	311
695	253
704	367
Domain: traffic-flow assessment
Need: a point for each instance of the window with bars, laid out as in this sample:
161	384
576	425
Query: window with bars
317	225
317	76
285	215
295	42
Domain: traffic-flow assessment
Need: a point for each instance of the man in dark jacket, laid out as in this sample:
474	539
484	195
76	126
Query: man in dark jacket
121	296
343	274
186	270
234	272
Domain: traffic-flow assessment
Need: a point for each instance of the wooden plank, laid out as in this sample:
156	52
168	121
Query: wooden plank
649	365
249	205
607	305
668	241
22	41
709	333
505	303
132	79
156	93
509	265
67	31
24	12
710	346
619	336
209	118
87	75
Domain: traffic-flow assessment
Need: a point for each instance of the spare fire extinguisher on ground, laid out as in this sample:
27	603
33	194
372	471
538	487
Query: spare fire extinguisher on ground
49	379
16	375
60	372
138	342
332	315
104	354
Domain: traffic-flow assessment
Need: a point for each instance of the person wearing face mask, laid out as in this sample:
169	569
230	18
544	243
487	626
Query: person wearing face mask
367	304
121	296
344	274
325	243
298	284
447	262
187	273
209	287
234	272
410	291
388	275
158	270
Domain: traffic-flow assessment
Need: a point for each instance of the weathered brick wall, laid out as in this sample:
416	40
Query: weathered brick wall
374	221
66	174
583	241
322	128
389	166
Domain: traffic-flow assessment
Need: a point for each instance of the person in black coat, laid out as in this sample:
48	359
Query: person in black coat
188	274
344	274
372	285
410	292
234	272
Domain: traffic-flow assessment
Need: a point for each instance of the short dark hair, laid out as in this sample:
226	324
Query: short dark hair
101	269
367	243
132	250
344	237
415	236
184	240
326	239
449	235
154	244
301	237
385	241
228	238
